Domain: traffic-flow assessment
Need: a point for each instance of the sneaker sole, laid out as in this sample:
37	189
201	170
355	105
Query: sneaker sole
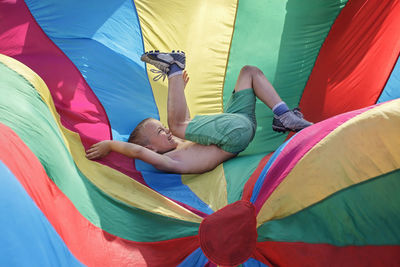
156	63
283	129
166	62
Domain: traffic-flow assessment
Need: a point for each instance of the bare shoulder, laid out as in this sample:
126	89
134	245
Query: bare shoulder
196	158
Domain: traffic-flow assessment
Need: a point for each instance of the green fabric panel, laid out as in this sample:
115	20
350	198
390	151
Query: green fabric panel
283	39
237	172
23	110
364	214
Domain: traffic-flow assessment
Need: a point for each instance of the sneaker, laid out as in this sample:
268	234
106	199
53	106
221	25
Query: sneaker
162	61
290	121
298	113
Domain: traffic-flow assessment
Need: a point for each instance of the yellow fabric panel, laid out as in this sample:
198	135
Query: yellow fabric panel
120	187
362	148
209	187
203	29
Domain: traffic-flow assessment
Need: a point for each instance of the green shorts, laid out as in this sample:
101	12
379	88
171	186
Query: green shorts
232	130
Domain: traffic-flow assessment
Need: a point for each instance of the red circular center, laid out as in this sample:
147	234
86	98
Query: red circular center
229	236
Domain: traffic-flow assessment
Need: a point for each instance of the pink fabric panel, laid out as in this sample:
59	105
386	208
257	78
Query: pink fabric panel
79	108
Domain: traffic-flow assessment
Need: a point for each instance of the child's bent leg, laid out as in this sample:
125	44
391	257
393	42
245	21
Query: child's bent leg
284	119
253	77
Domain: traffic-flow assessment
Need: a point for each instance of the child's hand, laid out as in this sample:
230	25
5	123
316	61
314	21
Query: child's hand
99	150
185	78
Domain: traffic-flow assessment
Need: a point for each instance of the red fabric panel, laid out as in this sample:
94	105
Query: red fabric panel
305	254
80	110
355	61
87	242
228	236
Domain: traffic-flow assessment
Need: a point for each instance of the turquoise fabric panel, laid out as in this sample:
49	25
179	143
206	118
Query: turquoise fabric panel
392	88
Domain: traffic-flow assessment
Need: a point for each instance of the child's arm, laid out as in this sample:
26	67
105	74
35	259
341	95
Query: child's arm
131	150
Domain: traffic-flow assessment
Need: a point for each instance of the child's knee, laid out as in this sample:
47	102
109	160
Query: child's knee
250	70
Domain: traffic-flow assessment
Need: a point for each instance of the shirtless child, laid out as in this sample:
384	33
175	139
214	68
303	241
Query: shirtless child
200	144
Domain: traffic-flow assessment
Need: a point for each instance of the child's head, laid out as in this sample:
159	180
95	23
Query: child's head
152	134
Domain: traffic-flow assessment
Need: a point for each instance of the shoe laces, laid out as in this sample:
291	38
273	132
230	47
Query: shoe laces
160	74
298	113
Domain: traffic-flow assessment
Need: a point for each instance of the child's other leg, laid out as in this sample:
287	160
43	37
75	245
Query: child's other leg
172	64
177	109
284	119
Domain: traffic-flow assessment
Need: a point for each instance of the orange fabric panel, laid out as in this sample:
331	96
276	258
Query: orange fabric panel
355	61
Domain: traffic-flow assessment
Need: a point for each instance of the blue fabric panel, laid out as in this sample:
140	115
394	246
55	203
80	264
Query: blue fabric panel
392	88
103	39
253	263
27	237
171	186
196	259
261	178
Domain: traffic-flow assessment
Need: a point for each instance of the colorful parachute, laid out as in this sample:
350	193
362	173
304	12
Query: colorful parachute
71	75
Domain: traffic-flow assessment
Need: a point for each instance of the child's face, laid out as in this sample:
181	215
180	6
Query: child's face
160	138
